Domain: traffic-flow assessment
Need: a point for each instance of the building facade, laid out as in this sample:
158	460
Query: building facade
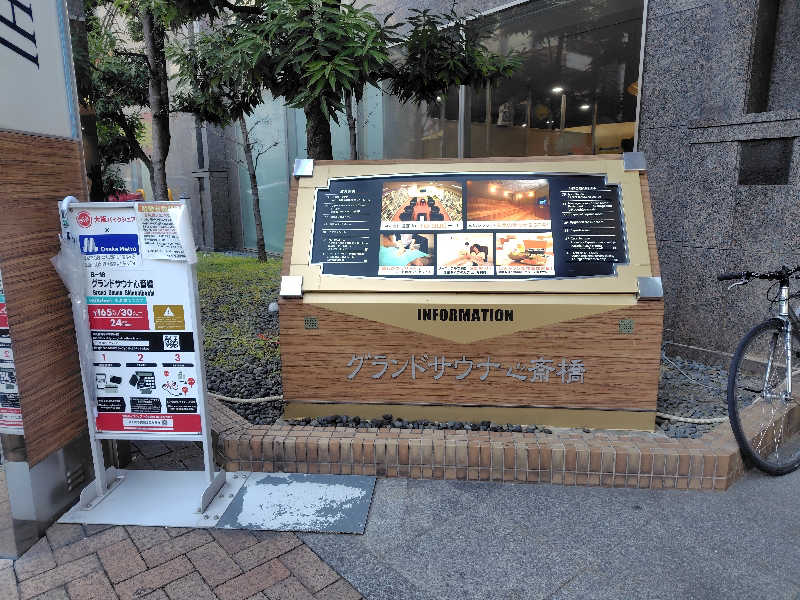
719	125
707	90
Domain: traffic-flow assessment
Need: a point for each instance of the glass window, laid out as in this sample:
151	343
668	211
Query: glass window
425	131
575	92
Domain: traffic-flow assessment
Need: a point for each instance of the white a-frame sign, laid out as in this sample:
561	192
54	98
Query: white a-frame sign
130	271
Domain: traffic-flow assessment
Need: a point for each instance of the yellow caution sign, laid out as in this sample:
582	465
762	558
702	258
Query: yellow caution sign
169	317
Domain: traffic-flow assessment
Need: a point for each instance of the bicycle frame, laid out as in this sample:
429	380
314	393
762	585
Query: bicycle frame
788	315
763	380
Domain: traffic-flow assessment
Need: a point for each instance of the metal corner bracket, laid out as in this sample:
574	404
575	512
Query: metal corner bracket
291	286
303	167
650	288
634	161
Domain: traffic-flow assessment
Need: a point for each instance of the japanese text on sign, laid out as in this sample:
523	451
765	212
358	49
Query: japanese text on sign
536	370
158	231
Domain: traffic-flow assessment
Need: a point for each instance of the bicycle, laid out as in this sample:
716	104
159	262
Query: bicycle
763	385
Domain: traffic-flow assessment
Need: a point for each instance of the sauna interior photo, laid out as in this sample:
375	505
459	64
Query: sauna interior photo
421	201
508	200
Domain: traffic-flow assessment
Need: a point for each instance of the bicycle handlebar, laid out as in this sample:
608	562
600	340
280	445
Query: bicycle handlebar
781	274
733	275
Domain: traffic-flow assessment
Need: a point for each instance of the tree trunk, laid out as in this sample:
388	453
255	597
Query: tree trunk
154	35
80	56
351	124
94	171
318	133
442	125
251	169
198	121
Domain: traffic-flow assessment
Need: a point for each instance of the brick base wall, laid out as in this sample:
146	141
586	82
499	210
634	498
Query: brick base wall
603	458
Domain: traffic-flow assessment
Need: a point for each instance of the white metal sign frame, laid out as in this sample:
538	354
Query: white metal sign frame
112	235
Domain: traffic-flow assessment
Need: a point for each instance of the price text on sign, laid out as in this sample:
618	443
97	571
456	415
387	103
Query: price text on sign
107	317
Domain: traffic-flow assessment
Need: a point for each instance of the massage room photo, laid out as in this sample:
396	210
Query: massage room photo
508	204
465	253
406	254
421	205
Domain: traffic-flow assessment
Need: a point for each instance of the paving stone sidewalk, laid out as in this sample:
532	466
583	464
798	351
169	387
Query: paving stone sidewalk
104	562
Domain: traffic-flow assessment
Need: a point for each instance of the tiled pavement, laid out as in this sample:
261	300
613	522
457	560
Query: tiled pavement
166	456
103	562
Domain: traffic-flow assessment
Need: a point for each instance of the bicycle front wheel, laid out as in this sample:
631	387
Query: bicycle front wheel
763	398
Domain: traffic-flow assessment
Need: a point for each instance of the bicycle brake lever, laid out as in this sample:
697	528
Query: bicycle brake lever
735	283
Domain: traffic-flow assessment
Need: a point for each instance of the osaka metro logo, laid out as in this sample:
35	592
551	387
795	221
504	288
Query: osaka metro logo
123	243
89	247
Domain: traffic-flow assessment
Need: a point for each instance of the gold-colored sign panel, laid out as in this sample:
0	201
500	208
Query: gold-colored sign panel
466	318
494	345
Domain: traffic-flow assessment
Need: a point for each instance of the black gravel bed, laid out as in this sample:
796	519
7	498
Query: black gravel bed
253	381
690	389
245	378
387	421
241	335
263	413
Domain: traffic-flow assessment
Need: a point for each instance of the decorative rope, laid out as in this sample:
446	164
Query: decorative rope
690	420
691	379
245	400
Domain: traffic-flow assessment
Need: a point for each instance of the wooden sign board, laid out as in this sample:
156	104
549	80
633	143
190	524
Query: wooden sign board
497	289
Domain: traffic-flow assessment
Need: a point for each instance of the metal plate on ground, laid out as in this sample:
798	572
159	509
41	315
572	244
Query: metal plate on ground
159	498
300	502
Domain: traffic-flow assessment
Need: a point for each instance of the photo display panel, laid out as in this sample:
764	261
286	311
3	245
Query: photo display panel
481	226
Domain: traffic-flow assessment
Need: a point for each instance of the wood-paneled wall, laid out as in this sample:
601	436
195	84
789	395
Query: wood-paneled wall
35	173
648	219
622	369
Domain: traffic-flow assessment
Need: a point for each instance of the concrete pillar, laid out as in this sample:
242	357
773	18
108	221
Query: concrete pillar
41	161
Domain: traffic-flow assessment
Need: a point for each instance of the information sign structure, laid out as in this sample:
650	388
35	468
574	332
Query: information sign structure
131	275
507	290
10	412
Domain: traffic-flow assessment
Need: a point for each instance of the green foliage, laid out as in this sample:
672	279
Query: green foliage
210	83
322	51
112	81
234	291
190	10
312	51
446	50
167	12
113	181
